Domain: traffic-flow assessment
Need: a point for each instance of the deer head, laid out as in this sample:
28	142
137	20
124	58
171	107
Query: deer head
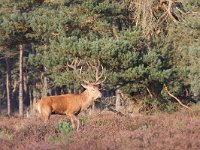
91	87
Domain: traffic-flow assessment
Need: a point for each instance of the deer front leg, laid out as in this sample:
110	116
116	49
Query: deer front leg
77	122
72	122
71	118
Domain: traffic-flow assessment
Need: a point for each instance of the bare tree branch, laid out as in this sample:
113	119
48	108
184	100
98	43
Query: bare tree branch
167	91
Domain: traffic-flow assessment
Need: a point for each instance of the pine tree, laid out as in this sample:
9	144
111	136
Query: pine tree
140	51
186	39
14	28
103	32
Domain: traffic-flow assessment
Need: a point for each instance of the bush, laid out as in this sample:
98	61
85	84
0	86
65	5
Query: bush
63	131
5	135
64	127
152	106
83	120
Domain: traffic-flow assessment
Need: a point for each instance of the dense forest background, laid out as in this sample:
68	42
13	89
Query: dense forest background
142	45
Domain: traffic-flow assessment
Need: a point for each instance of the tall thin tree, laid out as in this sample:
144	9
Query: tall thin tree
118	99
8	87
21	83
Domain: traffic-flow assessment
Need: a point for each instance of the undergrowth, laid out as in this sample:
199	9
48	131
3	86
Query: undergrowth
152	106
83	120
63	130
5	135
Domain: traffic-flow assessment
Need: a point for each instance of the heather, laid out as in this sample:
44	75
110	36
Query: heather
104	130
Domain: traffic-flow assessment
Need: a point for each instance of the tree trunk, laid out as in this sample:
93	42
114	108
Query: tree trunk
64	89
35	94
71	88
45	78
21	83
118	99
30	97
26	89
8	89
45	83
45	86
0	104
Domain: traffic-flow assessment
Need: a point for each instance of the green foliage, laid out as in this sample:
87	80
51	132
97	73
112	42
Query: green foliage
168	106
186	37
84	45
83	120
13	24
196	107
152	106
5	135
191	5
122	57
56	33
160	70
64	129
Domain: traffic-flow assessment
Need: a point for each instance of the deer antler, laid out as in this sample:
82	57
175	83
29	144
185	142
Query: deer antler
73	66
97	69
98	76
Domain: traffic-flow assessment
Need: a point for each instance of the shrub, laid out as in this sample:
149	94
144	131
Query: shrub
83	120
158	105
5	135
63	131
64	127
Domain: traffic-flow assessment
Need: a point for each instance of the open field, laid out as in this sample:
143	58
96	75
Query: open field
103	131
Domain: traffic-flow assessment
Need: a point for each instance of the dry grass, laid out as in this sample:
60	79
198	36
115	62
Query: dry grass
107	130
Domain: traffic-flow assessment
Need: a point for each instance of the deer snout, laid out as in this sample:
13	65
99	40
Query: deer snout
97	95
100	95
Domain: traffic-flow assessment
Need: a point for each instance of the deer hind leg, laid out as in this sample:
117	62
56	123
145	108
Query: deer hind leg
46	112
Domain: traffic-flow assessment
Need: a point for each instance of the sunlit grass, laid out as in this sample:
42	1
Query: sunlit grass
5	135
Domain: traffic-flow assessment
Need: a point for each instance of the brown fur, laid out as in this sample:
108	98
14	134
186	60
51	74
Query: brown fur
68	104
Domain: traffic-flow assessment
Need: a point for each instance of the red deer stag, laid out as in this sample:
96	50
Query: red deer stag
72	104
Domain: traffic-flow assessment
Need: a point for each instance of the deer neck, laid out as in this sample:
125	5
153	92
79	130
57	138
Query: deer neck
87	96
87	99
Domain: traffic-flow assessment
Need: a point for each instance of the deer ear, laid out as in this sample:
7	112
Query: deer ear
85	86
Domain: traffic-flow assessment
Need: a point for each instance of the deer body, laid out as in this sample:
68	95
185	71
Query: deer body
68	104
72	104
